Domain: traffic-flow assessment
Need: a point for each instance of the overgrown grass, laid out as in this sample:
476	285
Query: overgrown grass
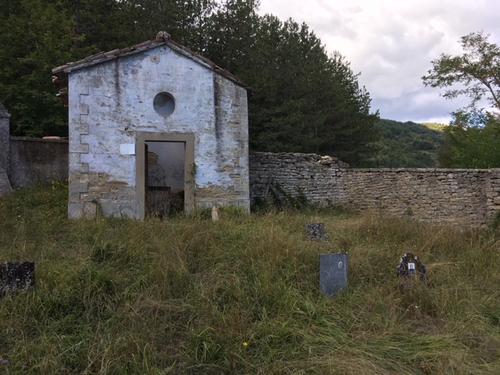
241	295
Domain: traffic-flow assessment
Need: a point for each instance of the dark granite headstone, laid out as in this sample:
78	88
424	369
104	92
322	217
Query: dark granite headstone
333	269
316	232
16	276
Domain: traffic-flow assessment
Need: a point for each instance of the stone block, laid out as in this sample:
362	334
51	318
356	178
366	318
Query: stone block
89	210
78	148
78	187
74	160
110	207
83	168
75	210
84	109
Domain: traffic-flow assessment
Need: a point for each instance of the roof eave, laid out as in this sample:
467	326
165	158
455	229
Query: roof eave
103	57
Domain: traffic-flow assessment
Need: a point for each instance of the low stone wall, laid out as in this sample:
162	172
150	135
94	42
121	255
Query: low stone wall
454	196
457	196
315	178
35	161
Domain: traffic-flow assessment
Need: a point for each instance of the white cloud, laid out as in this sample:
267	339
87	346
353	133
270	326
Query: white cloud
392	42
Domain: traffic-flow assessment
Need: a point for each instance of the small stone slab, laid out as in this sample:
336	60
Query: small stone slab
16	276
316	232
333	272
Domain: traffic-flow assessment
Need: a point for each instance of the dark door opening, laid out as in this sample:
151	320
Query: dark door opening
164	178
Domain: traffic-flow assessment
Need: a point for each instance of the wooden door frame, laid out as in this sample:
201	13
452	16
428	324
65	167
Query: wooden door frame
140	167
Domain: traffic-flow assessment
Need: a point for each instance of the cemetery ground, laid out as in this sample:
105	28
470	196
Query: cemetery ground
241	295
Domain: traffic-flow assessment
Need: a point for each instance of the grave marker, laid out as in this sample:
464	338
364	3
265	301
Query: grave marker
16	276
333	272
316	232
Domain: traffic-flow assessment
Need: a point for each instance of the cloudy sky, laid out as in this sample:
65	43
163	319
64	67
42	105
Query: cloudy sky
391	42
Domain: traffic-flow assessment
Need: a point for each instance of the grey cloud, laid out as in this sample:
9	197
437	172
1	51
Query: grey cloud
393	42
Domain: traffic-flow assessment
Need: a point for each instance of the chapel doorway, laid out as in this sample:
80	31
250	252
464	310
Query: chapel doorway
164	174
164	178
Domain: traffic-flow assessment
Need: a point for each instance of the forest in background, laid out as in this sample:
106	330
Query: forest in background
406	144
301	97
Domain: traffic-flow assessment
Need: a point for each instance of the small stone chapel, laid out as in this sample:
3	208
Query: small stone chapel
154	129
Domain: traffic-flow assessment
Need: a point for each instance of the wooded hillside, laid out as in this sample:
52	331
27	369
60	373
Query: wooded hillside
406	144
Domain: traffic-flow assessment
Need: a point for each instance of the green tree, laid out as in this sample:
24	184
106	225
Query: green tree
109	24
35	35
472	141
476	72
301	99
473	138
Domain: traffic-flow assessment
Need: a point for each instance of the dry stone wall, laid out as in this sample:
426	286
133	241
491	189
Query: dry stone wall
310	176
455	196
434	195
493	195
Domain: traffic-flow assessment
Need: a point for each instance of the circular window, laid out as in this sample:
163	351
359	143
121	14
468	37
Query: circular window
164	104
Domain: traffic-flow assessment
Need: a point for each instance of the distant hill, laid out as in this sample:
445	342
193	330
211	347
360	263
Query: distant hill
407	144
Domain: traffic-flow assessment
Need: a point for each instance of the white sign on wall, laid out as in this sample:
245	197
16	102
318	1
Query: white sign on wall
127	149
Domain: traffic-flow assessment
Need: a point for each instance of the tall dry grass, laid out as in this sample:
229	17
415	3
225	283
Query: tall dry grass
240	296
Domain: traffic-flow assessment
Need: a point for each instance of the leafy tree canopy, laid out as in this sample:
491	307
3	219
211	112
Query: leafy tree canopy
475	73
473	140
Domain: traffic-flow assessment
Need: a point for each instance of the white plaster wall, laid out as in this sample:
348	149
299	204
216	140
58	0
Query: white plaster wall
115	99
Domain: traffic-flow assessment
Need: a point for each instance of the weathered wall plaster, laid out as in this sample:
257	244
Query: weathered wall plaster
110	102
